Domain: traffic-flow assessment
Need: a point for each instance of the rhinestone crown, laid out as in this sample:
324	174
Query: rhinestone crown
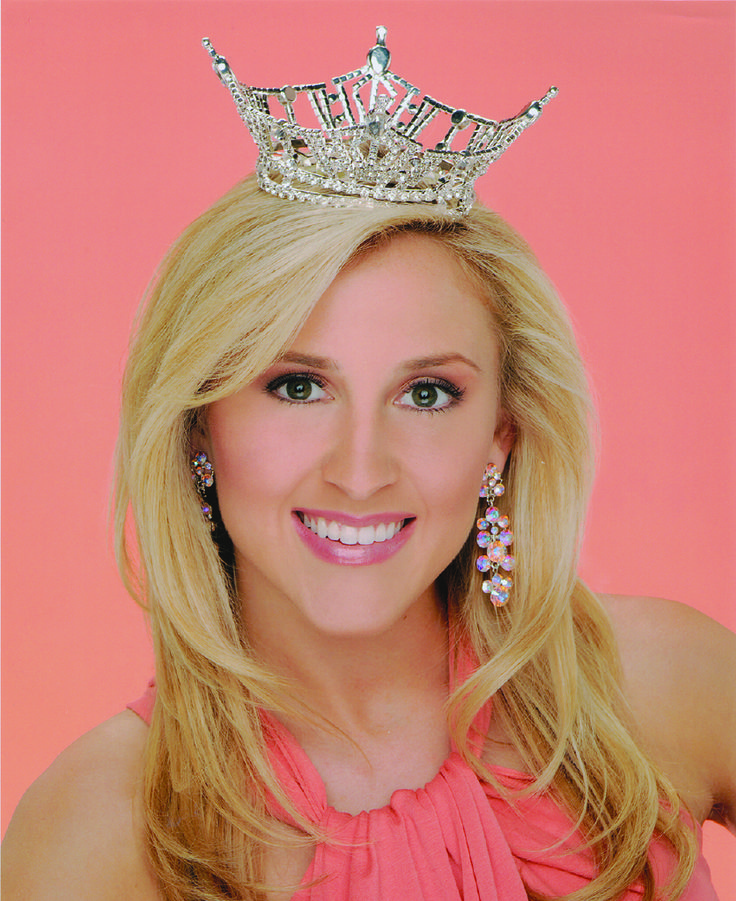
364	145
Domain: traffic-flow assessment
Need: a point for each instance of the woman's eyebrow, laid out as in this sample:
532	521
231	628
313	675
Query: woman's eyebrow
308	360
428	362
439	360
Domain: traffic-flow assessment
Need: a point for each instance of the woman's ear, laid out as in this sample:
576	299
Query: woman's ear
503	441
199	436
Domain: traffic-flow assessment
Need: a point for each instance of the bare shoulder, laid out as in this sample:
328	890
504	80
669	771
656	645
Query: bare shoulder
77	833
679	669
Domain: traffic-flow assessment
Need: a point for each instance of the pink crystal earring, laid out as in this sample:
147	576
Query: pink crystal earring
495	537
203	476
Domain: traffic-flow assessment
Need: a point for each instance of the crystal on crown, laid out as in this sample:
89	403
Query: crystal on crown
364	144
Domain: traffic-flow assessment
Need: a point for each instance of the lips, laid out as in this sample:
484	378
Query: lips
347	534
345	539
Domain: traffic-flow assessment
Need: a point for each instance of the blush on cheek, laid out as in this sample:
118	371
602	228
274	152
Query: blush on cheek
461	507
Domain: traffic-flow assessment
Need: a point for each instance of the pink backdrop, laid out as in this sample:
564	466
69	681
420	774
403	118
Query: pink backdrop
117	134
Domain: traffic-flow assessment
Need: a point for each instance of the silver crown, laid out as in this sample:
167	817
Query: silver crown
364	146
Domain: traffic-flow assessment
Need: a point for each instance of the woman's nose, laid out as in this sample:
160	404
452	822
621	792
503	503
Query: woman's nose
360	461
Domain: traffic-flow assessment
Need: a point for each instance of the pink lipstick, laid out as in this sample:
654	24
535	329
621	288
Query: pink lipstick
348	540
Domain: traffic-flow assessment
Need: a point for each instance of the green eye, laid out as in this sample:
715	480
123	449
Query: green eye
430	395
424	395
298	389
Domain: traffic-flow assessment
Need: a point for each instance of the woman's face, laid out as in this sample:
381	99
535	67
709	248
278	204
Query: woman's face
348	473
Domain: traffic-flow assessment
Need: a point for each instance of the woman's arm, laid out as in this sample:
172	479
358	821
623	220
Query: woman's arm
680	681
77	833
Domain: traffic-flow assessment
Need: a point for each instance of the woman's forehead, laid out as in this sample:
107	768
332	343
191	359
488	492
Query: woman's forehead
408	296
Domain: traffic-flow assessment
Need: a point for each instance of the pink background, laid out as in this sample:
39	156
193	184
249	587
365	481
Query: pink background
117	134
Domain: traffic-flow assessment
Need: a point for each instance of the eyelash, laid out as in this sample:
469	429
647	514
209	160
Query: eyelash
453	391
273	386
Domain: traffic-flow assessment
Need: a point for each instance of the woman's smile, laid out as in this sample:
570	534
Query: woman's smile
351	529
353	541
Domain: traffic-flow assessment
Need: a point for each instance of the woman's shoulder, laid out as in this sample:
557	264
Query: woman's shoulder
679	679
77	833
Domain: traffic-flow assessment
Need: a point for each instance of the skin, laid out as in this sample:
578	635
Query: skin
365	447
367	642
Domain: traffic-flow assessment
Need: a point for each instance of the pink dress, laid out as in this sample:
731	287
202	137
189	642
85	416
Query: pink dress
455	839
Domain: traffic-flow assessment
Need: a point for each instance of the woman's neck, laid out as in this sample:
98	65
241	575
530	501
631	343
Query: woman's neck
360	683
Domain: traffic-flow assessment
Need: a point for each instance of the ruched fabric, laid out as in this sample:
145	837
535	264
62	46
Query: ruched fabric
456	839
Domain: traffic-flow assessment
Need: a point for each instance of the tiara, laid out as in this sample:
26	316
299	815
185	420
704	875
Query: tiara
363	146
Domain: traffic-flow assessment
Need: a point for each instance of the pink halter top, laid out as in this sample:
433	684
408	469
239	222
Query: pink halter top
455	839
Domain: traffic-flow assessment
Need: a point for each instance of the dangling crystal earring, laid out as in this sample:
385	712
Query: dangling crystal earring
203	477
495	537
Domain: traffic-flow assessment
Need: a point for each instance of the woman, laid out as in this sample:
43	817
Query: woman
356	372
368	364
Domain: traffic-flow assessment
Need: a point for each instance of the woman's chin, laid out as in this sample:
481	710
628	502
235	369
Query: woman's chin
355	622
368	615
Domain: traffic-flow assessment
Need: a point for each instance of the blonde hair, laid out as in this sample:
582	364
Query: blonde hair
229	298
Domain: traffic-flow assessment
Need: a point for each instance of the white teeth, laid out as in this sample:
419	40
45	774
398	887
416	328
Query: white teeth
350	535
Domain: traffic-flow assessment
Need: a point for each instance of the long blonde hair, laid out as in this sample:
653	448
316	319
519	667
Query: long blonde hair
229	298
